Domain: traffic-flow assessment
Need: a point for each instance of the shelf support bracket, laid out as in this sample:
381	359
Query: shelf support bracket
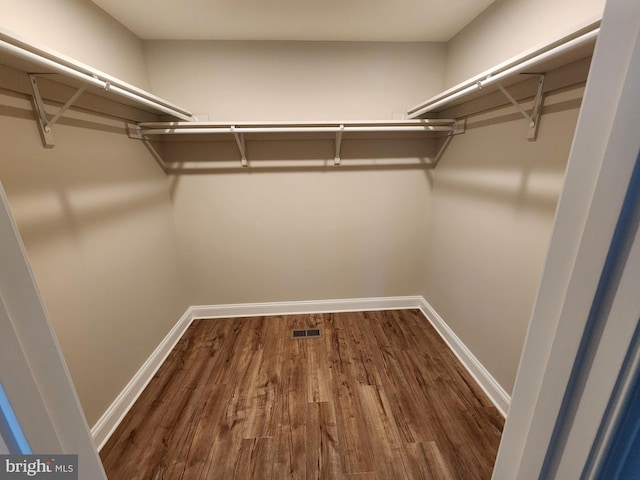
459	127
44	123
534	118
241	146
336	159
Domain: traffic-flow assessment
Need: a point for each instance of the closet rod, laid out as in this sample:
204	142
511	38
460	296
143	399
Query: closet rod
494	77
93	80
337	129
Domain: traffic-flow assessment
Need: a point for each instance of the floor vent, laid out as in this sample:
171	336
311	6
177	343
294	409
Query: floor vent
308	333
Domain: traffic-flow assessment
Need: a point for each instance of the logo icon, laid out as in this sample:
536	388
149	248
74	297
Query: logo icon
49	467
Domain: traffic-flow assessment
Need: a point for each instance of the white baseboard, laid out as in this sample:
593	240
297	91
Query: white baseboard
498	396
110	420
293	308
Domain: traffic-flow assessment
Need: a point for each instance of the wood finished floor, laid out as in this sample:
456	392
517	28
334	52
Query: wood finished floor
378	396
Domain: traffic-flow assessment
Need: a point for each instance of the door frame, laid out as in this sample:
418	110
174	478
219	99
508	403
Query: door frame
601	162
38	382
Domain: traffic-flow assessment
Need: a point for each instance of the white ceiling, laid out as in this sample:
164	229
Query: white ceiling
322	20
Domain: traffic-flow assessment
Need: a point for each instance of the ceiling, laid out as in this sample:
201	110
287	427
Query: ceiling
319	20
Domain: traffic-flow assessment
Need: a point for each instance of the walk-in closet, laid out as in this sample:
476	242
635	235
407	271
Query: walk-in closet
343	241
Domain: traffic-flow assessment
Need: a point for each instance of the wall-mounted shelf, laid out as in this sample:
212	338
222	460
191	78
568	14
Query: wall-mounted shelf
46	66
536	63
526	76
336	131
45	74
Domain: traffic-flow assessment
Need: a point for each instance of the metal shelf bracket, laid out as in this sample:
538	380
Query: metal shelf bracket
241	146
534	118
43	122
459	126
336	160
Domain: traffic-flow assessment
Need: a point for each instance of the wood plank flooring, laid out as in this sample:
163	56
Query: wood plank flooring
378	396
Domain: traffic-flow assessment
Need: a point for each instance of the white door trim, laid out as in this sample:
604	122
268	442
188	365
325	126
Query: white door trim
602	158
25	315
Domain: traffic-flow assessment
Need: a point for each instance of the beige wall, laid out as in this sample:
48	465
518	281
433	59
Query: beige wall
289	233
258	81
494	193
493	203
94	212
95	215
510	27
80	30
258	236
